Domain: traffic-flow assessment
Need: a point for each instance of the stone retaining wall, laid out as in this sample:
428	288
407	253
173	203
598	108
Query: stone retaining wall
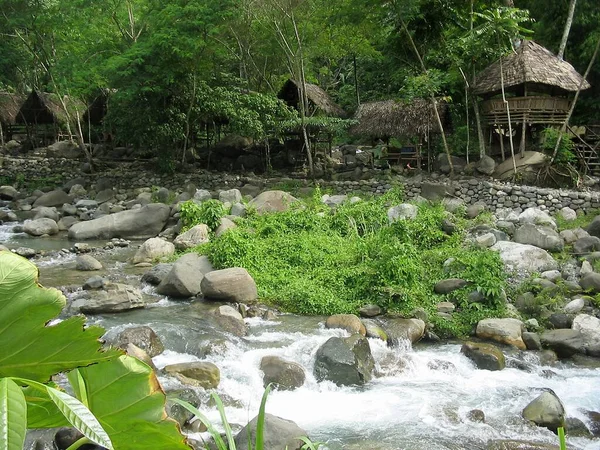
139	174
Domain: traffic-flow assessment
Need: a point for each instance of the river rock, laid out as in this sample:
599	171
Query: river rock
508	444
285	375
532	340
524	258
225	225
95	282
87	263
565	343
589	327
449	285
230	196
485	356
586	244
370	311
506	331
546	411
45	212
574	306
272	201
143	337
152	250
158	273
590	282
536	216
40	227
348	322
404	330
230	320
115	297
594	227
486	165
25	252
136	352
374	329
8	193
66	222
185	277
53	198
345	361
230	285
198	234
405	211
141	223
594	422
278	433
539	236
204	374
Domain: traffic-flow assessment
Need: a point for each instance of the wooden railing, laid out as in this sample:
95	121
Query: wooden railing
545	110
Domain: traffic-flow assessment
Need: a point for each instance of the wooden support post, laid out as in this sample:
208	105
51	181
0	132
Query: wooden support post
501	143
523	132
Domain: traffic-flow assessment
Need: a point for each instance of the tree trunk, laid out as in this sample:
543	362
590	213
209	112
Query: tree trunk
565	36
356	82
1	136
512	147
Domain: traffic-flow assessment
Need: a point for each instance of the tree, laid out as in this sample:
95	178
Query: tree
568	23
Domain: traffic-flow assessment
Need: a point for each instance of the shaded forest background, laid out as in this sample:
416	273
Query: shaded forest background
174	66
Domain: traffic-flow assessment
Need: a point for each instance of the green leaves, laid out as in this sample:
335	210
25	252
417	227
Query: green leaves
13	415
34	350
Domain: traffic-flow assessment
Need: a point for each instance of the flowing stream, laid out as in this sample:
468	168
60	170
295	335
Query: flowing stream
419	400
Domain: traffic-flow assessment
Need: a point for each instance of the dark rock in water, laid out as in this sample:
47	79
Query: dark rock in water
370	311
594	422
485	356
449	285
185	277
143	337
230	320
279	434
404	330
576	427
204	374
25	252
115	297
374	330
440	364
532	341
505	444
158	273
345	361
476	415
565	343
285	375
560	320
230	285
546	411
348	322
93	283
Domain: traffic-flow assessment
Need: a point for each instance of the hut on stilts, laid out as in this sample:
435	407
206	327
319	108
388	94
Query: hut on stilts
412	122
537	87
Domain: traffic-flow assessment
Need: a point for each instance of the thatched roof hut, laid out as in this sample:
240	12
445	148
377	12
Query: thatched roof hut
531	65
46	108
318	98
9	107
391	118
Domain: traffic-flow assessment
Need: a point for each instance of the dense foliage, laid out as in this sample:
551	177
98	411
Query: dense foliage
311	261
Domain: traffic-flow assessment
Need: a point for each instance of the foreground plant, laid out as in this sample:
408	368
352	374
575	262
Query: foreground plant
118	401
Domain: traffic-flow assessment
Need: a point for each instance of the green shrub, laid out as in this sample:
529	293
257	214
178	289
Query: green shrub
208	212
565	152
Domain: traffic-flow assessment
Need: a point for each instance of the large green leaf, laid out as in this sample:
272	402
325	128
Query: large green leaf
13	415
30	348
126	398
42	412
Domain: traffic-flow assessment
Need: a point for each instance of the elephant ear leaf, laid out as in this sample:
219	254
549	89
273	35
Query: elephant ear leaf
126	398
31	348
13	415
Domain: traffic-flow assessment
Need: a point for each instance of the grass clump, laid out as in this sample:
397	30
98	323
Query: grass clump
208	212
310	260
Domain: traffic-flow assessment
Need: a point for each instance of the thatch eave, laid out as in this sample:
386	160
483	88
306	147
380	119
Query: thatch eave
316	96
46	108
10	104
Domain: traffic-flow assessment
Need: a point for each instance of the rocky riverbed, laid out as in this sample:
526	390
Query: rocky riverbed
374	381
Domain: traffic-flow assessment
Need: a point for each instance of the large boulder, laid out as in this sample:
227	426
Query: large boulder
45	212
485	356
594	227
590	282
8	193
278	434
87	263
272	201
436	191
230	285
586	244
143	337
53	198
506	331
536	216
527	165
524	258
193	237
230	196
115	297
230	320
186	275
546	410
398	330
404	211
540	236
285	375
345	361
141	223
348	322
486	165
39	227
589	327
202	374
158	273
153	249
449	285
565	343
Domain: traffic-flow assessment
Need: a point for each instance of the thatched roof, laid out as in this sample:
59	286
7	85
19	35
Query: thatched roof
533	64
390	118
46	108
318	98
9	107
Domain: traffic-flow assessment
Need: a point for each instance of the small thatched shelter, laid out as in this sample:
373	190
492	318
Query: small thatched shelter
319	100
10	104
45	117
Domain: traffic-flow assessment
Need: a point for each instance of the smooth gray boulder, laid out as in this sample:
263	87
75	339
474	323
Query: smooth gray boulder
586	244
506	331
590	282
39	227
8	193
272	201
486	165
225	225
230	196
564	342
185	278
53	198
398	330
546	411
524	258
589	327
230	320
345	361
115	297
536	216
449	285
279	434
87	263
198	234
285	375
67	222
539	236
594	227
141	223
143	337
485	356
45	212
152	250
230	285
348	322
158	273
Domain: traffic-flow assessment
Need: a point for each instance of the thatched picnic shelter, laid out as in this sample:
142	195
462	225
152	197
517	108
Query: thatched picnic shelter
412	121
319	102
49	119
10	104
537	85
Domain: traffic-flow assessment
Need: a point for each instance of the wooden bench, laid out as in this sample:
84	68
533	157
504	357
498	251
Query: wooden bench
406	155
